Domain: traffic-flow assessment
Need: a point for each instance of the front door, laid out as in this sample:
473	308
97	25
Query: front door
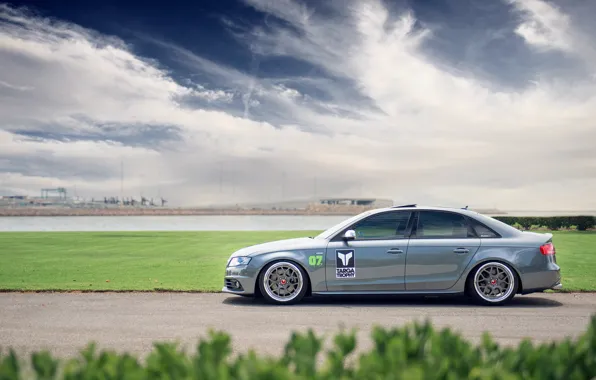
375	260
441	246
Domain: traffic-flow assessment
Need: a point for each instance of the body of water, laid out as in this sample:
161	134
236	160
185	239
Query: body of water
196	223
169	223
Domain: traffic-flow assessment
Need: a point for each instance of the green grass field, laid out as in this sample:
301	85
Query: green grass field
183	260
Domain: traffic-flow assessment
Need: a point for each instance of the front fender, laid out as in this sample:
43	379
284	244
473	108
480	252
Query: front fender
312	261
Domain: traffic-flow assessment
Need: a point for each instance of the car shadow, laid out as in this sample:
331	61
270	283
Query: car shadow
395	301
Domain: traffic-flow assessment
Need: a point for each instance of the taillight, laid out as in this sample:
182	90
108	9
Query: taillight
547	249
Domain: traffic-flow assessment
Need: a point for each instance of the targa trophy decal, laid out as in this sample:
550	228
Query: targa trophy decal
345	263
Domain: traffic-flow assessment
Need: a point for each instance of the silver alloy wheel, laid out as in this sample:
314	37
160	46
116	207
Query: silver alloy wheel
494	282
283	281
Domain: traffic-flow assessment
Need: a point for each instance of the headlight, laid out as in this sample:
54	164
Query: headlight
240	260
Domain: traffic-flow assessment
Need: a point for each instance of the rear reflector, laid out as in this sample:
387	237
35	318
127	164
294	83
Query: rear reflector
547	249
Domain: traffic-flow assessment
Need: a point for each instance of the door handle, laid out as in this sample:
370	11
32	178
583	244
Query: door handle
395	251
461	250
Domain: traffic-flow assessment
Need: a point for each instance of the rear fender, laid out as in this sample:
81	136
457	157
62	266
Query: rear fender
486	254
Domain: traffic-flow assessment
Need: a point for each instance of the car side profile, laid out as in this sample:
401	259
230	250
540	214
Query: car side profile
406	249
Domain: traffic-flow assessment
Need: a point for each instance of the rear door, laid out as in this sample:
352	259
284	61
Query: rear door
375	260
441	246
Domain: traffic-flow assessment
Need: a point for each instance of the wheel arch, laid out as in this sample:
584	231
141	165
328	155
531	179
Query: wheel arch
257	290
497	260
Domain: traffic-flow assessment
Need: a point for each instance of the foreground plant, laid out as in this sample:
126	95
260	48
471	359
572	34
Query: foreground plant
416	351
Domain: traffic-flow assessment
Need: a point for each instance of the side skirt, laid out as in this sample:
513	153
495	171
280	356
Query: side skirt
397	292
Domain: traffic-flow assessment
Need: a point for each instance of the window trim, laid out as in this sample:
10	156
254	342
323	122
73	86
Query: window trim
409	225
413	234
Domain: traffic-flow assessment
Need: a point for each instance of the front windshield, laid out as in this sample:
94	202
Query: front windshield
338	227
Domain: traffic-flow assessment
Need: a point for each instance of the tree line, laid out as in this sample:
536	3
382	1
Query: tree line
579	223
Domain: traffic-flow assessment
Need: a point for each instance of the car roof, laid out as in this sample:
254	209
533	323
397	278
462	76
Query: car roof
415	207
426	207
502	228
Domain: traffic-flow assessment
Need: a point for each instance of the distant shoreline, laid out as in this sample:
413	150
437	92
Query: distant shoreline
163	212
196	211
130	211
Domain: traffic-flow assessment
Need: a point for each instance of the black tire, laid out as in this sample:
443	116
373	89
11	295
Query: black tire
296	296
474	287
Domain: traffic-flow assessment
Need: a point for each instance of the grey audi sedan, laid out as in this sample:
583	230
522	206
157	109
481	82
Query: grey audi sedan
400	250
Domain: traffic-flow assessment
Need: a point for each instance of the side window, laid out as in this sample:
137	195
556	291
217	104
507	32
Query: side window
387	225
446	225
483	231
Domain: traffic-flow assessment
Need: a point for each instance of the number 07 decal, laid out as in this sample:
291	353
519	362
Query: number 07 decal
315	260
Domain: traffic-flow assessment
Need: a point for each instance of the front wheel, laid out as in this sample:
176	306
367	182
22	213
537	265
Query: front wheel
283	282
493	283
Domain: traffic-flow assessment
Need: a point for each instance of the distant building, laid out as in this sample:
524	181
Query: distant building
370	202
9	197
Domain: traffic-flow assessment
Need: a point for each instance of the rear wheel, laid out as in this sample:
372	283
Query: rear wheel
493	283
283	282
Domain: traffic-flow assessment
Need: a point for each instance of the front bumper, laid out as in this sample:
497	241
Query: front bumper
239	280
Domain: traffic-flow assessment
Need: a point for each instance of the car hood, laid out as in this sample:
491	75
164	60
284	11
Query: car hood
280	245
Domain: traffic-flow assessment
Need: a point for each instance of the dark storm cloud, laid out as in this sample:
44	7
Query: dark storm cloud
130	135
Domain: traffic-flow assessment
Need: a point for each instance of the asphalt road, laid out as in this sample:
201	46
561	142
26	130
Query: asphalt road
64	323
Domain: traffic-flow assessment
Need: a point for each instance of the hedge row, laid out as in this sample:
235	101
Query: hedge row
580	223
416	351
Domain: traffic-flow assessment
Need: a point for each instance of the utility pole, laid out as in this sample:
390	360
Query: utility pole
158	183
121	180
283	186
220	177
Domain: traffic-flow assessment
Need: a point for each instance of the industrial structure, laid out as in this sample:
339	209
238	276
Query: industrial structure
58	198
372	202
61	191
56	201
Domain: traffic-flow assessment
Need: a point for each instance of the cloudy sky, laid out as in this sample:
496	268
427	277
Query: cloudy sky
456	102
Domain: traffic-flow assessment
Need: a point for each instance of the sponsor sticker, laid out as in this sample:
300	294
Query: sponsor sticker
345	263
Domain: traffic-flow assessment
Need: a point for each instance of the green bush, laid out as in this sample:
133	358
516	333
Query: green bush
581	223
416	351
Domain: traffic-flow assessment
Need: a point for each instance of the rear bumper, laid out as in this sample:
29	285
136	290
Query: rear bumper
541	281
558	286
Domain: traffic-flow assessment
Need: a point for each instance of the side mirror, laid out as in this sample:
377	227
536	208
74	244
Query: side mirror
349	235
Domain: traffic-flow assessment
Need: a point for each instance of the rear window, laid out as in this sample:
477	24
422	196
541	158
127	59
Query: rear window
483	231
496	224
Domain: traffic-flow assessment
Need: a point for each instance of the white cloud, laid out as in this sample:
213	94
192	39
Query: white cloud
407	129
544	25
